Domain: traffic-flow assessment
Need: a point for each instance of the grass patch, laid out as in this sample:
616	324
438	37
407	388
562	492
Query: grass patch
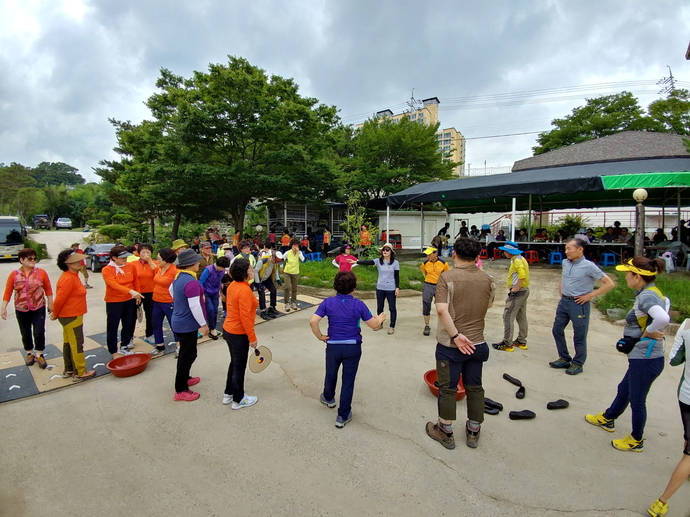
675	286
321	274
40	249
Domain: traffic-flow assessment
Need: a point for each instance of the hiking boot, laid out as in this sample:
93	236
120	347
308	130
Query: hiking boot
286	308
186	396
263	316
294	306
560	363
436	433
340	421
628	444
503	346
87	375
472	436
521	346
657	508
245	402
601	421
42	364
574	369
30	359
67	374
427	330
329	403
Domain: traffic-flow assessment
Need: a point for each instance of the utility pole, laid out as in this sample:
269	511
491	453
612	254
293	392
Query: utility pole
668	84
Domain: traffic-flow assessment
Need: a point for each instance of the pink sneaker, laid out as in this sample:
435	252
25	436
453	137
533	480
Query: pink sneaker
187	396
194	380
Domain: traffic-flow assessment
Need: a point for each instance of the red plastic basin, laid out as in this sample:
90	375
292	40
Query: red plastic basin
431	376
128	365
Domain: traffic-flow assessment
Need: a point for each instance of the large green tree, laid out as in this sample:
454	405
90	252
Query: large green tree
13	177
221	139
56	173
673	112
602	116
386	156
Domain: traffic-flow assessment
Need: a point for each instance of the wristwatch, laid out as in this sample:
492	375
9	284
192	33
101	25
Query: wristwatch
456	335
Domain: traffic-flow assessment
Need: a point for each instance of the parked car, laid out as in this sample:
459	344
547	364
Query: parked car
41	221
63	222
98	256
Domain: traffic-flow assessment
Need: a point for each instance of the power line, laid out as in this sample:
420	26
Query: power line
501	136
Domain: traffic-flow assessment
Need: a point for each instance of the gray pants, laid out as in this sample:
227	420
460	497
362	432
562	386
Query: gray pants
516	309
428	293
291	283
569	311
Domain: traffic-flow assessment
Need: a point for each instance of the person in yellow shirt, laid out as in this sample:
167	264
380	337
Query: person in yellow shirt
516	303
432	268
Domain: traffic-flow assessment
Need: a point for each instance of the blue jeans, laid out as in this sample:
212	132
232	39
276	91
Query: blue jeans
161	311
211	310
381	296
633	390
348	356
570	311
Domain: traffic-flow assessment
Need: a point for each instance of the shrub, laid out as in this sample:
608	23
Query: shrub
94	222
114	231
121	219
40	249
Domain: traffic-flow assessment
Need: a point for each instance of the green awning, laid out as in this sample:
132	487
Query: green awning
649	180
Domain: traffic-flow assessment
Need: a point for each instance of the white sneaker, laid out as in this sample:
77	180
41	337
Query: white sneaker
124	351
294	306
227	399
177	352
287	308
128	346
245	402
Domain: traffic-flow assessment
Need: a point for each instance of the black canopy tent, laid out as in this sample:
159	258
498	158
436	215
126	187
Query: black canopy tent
574	186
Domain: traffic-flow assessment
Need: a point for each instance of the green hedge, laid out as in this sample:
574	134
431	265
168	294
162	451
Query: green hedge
40	249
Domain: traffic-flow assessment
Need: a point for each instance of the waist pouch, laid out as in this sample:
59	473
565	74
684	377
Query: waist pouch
625	345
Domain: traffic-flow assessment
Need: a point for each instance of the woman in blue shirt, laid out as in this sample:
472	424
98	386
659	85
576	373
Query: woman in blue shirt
388	284
343	341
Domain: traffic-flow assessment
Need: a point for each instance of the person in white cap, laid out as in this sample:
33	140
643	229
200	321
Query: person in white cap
516	303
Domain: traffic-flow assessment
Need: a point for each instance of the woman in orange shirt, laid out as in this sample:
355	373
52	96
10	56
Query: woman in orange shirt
285	241
238	331
69	309
31	287
121	299
146	270
162	299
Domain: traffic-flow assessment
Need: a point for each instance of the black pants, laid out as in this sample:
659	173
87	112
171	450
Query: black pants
32	326
147	304
185	360
268	284
116	312
325	251
238	344
382	296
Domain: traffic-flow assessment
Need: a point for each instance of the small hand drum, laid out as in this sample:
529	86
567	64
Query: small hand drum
260	359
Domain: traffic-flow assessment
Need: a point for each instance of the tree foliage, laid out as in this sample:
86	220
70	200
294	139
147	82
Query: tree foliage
219	140
47	173
599	117
386	156
673	112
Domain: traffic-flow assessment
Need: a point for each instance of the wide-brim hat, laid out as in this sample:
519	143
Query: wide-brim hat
429	250
386	245
511	248
226	246
178	243
187	258
206	244
75	257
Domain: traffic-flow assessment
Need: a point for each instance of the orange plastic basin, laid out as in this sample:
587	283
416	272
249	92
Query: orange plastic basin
128	365
431	376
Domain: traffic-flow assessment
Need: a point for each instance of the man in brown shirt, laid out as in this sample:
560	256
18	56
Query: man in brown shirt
463	295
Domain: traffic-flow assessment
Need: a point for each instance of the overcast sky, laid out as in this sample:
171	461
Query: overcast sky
66	66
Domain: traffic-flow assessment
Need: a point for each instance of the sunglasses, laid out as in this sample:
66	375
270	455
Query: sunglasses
32	259
384	250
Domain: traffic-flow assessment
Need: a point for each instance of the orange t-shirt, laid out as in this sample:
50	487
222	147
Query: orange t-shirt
162	281
70	296
118	286
365	238
285	240
241	307
145	274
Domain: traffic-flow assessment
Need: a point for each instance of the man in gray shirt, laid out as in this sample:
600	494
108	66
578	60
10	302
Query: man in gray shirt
576	290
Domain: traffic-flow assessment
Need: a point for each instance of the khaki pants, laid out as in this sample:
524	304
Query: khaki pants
85	272
516	310
73	344
291	282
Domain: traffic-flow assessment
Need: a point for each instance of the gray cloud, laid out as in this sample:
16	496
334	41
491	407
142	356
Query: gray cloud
61	77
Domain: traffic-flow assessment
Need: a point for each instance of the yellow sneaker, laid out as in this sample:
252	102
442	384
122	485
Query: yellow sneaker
657	508
600	421
521	346
628	444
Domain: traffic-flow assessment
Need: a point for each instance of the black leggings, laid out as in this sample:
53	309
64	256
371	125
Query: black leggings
382	296
32	324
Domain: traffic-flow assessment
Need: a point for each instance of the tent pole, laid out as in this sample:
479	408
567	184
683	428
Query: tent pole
422	229
512	221
529	221
678	221
388	223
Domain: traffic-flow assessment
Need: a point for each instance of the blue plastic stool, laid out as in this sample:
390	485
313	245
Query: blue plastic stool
608	259
555	257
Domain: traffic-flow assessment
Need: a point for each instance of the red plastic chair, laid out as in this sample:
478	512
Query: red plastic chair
498	254
484	254
532	257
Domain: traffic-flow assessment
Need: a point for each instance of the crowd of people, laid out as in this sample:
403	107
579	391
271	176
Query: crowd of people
187	287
